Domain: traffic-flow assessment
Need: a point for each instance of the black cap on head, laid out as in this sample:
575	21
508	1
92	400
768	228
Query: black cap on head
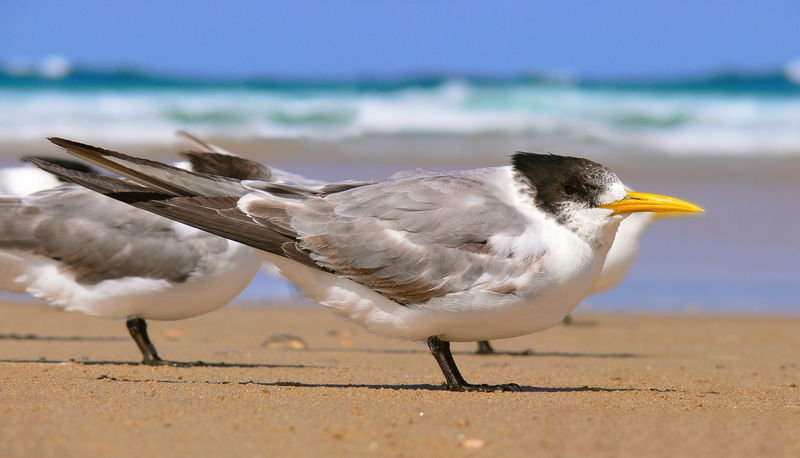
557	180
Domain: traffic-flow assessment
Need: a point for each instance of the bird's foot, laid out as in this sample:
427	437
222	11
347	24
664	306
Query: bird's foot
163	362
525	352
483	388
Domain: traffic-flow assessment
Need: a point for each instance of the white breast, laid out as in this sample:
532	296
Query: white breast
215	283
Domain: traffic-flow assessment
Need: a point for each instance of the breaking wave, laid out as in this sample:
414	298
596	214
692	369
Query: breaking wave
722	114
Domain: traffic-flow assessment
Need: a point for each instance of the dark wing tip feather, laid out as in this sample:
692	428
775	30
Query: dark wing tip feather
92	153
101	183
168	182
69	164
44	164
70	144
227	165
62	142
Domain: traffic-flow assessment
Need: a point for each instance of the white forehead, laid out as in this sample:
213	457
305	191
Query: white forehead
615	191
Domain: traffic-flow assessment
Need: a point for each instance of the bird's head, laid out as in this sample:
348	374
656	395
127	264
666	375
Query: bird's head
584	195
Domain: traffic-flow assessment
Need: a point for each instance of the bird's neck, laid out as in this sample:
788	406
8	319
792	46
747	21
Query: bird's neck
594	226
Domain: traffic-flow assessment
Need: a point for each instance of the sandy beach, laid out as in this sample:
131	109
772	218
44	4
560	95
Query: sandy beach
622	384
609	385
694	351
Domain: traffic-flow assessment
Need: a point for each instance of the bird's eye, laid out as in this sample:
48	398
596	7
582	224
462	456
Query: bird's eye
569	189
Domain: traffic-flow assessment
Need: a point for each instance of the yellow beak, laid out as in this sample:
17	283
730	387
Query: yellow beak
643	202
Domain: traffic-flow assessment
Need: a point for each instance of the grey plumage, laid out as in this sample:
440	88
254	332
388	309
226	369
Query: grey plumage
384	235
81	230
349	232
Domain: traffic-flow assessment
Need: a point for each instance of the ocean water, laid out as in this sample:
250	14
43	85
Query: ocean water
725	114
740	257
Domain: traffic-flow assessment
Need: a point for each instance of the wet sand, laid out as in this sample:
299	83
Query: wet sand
610	385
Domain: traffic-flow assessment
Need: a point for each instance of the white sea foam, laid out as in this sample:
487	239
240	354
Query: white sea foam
672	122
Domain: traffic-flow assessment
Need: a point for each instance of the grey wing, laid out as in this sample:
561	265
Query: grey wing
97	239
412	239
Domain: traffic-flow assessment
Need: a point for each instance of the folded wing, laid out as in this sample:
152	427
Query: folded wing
407	239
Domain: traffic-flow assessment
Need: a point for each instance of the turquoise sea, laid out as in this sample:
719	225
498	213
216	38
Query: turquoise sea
725	113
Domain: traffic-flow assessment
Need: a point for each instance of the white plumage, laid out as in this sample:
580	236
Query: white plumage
623	252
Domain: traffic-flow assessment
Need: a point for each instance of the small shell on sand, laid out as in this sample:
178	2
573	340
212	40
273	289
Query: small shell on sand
473	443
174	334
284	341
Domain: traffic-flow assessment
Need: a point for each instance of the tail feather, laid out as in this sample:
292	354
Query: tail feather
70	164
173	181
216	214
101	183
152	174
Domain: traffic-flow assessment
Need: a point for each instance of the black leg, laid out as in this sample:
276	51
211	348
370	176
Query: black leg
455	382
484	348
138	329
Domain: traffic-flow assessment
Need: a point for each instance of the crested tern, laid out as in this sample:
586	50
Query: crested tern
457	256
78	250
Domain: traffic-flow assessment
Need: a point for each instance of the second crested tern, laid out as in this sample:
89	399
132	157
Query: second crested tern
618	263
79	250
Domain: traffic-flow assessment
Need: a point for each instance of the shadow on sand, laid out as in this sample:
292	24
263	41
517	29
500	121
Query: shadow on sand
61	338
413	387
134	363
559	354
400	351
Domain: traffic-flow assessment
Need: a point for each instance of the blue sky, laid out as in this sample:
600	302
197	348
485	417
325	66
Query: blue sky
358	38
